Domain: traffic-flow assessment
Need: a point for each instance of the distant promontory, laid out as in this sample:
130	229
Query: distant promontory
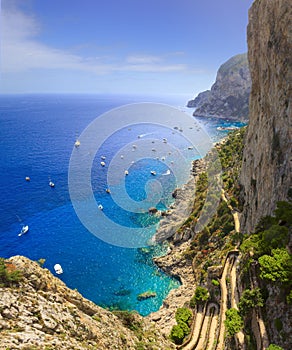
229	95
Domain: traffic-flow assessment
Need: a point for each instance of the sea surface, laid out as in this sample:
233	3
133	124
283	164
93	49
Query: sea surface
37	136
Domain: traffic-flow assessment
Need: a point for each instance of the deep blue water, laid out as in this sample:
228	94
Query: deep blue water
37	135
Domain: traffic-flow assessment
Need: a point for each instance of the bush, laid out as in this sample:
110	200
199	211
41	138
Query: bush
177	334
201	295
274	347
278	267
183	314
8	274
215	283
233	322
183	318
249	300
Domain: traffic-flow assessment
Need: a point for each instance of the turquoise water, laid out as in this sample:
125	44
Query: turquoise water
37	135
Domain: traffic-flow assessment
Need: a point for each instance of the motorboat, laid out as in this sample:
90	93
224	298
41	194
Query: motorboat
126	172
51	184
100	207
102	163
153	172
24	230
77	143
58	269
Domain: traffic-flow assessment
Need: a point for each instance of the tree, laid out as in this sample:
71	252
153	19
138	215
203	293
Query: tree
183	314
276	267
250	299
233	322
177	334
201	295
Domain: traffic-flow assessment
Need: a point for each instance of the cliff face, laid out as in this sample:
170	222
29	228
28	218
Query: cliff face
266	168
40	312
228	97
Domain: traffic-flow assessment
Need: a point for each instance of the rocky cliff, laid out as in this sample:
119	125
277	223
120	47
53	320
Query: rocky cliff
37	311
228	97
266	168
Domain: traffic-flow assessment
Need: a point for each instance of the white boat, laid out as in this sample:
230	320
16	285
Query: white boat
103	157
77	143
23	231
102	163
51	184
153	172
58	269
126	172
100	207
220	128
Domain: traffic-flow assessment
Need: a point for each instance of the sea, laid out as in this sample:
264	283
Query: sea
37	137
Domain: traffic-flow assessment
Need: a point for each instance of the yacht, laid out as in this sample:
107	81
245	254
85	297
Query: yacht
58	269
23	231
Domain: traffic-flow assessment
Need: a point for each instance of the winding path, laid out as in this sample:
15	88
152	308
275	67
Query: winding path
204	332
234	213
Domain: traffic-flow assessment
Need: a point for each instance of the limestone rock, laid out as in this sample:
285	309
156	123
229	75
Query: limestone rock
228	97
42	313
266	168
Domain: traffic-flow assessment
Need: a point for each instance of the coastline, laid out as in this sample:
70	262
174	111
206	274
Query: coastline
173	263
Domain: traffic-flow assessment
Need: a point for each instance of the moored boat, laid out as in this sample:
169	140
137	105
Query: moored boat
24	230
58	269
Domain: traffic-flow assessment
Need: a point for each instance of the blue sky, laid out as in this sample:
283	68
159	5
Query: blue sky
114	46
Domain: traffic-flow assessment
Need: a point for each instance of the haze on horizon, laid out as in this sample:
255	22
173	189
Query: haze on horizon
141	47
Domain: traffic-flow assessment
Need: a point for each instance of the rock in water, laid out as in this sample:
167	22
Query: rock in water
228	97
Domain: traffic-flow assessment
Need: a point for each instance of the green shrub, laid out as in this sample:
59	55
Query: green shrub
8	275
215	283
177	334
274	347
233	322
201	295
250	298
183	314
277	267
183	318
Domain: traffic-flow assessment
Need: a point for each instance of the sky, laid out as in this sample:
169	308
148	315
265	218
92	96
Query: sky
118	46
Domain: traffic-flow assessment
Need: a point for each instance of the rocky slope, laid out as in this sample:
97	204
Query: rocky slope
40	312
266	168
228	97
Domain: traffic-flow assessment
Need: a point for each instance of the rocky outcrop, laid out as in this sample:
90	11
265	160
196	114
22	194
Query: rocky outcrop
40	312
266	167
228	97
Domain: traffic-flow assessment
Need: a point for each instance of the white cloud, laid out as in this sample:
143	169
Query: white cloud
140	59
22	50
